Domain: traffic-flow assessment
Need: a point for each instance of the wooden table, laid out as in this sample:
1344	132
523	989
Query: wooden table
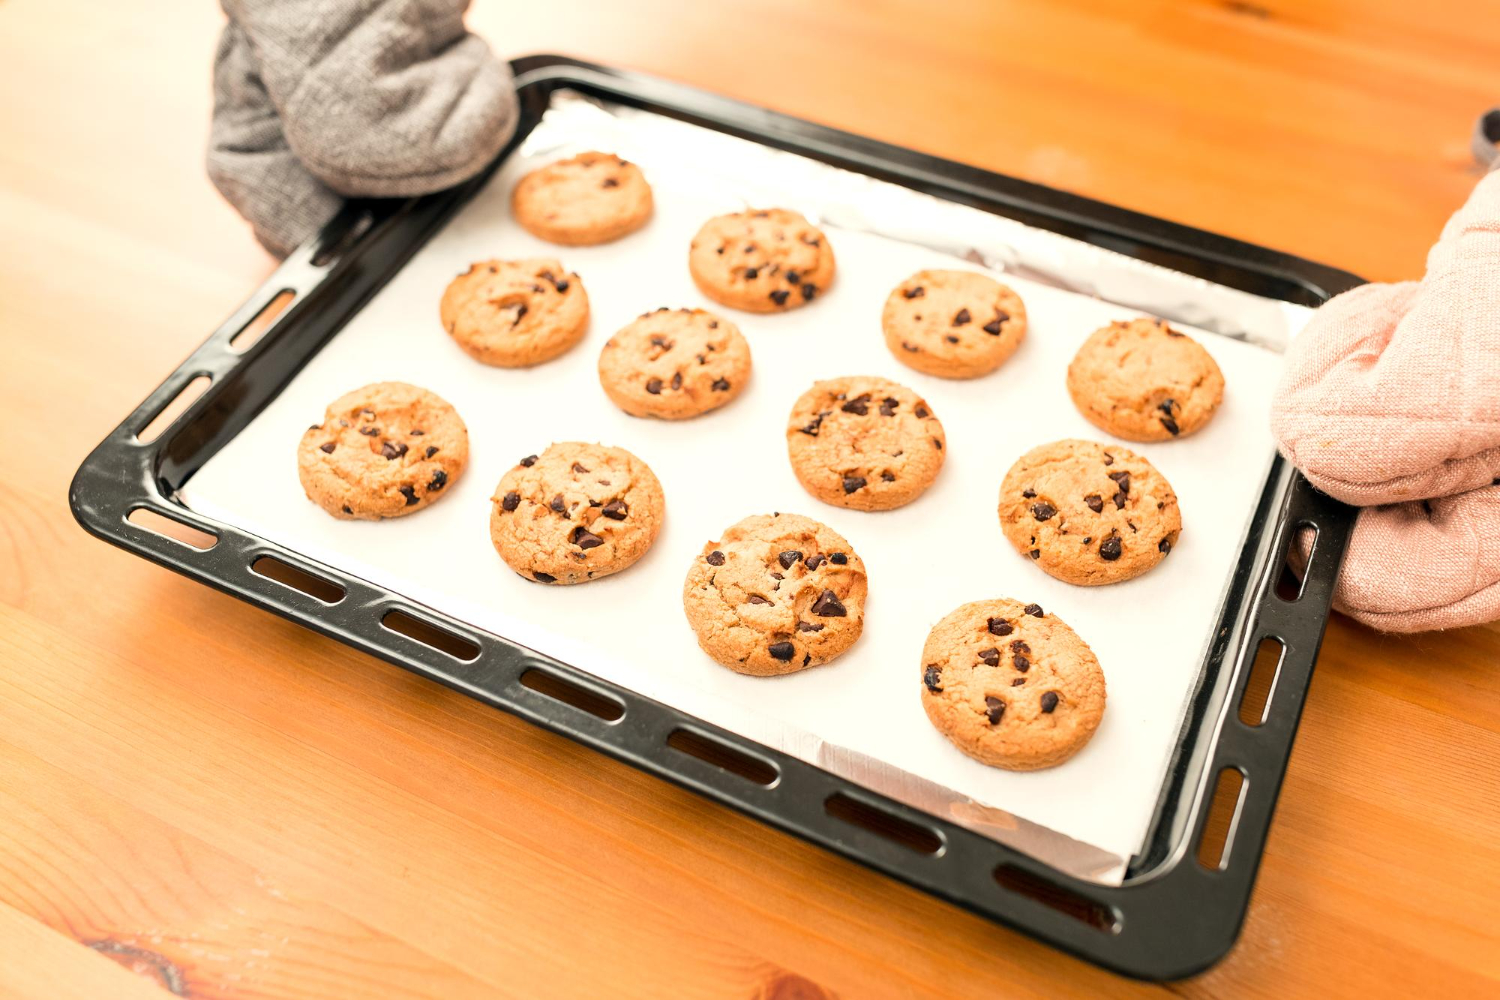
211	798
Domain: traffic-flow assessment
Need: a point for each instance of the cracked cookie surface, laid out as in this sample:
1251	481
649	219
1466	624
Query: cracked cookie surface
956	324
383	450
774	594
674	364
515	313
1141	380
1088	513
864	443
1010	685
575	513
586	199
761	260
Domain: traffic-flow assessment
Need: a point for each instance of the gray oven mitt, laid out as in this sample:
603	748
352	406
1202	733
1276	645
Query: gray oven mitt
319	99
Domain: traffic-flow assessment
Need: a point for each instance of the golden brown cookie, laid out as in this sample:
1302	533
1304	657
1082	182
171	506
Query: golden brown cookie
1011	685
776	594
383	450
515	313
957	324
1089	513
674	363
864	443
575	512
586	199
1144	381
766	260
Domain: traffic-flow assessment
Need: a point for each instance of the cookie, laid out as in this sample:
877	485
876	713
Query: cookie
1011	685
587	199
864	443
767	260
515	313
674	363
1141	380
957	324
575	512
384	450
775	594
1088	513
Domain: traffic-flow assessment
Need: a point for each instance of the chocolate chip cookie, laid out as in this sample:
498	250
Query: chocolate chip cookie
767	260
957	324
575	512
864	443
674	364
586	199
1144	381
1011	685
515	313
1089	513
776	594
383	450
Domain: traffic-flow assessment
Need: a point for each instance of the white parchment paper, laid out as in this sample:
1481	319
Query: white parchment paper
860	716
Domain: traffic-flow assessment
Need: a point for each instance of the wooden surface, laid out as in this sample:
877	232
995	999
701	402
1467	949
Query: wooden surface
198	795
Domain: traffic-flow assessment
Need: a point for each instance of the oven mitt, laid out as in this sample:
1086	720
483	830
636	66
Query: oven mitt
1390	400
315	100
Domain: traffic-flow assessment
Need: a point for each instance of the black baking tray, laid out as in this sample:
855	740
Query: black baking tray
1171	917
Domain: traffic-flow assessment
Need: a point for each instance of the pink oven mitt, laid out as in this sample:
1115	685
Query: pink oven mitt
1390	400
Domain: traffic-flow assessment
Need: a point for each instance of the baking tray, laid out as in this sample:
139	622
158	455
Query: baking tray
1169	917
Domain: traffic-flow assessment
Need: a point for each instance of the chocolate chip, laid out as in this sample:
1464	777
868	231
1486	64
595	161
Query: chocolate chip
529	461
888	406
578	467
410	494
1020	646
933	678
937	443
828	605
370	432
781	650
615	510
808	627
439	480
811	429
907	345
792	277
1036	553
993	326
661	342
859	405
1022	663
1119	499
348	509
913	293
838	558
585	539
1034	610
1171	426
512	500
720	385
544	577
415	433
852	483
990	657
1095	502
609	182
751	273
961	317
999	626
1049	701
789	558
814	561
559	504
779	296
1164	546
562	285
951	339
521	312
1028	494
808	290
994	708
367	413
756	599
1042	510
1018	682
1166	406
677	381
1109	549
1109	459
889	477
431	450
714	558
1088	539
653	386
328	448
1122	480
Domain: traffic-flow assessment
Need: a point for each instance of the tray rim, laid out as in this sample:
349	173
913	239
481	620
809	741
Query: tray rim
1172	917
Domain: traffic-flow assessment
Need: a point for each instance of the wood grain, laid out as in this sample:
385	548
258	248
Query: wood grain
198	797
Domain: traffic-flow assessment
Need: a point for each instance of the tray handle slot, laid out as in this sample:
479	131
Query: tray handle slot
167	414
721	755
883	823
550	685
1255	702
169	527
1293	571
1221	818
298	579
250	334
432	636
1013	878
